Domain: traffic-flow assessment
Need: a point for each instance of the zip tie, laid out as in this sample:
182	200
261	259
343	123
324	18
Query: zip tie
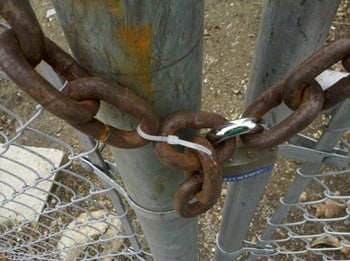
173	140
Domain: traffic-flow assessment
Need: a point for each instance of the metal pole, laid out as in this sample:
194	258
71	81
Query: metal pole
96	158
329	139
289	32
155	48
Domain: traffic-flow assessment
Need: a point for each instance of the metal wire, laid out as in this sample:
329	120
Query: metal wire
313	228
81	217
63	212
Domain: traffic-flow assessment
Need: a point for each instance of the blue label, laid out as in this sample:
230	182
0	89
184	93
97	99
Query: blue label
248	174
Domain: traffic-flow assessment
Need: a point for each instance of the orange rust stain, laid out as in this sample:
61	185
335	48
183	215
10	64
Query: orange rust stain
104	134
113	6
136	41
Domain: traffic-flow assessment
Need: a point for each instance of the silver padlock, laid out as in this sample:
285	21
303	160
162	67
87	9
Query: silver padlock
248	162
237	127
245	162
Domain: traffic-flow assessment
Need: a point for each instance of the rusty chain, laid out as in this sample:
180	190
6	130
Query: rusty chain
193	120
22	19
310	107
205	183
305	73
24	46
120	97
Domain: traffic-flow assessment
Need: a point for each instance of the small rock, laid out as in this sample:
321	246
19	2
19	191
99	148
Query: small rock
289	171
50	14
224	192
303	197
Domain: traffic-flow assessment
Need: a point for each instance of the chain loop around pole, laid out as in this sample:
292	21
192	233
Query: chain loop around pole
24	46
192	120
123	99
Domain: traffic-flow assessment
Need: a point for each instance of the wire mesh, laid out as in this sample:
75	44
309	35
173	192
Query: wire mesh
50	207
70	212
314	226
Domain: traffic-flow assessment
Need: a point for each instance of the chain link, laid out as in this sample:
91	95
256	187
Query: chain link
120	97
193	120
24	75
204	183
22	19
310	107
304	75
24	46
211	172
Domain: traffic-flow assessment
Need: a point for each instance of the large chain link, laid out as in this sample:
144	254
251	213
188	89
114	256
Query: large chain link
21	17
193	120
16	66
310	107
205	184
305	74
24	46
120	97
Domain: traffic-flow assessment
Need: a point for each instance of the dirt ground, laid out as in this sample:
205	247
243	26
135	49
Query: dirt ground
229	42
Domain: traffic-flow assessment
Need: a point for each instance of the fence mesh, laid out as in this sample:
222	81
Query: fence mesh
308	201
54	209
50	207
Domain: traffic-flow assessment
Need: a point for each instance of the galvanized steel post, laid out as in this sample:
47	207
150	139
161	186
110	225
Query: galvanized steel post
290	31
155	48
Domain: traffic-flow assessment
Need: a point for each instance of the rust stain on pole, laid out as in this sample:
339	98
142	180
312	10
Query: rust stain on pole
139	45
113	6
136	40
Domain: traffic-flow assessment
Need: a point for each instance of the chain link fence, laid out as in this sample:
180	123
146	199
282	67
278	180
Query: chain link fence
61	202
304	214
51	207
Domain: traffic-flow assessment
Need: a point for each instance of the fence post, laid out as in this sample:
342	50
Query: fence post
289	32
155	48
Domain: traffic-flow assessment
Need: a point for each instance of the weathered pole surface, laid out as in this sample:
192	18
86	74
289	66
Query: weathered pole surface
289	32
96	158
155	48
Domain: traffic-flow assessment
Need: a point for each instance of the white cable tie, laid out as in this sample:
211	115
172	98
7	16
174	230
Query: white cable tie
173	140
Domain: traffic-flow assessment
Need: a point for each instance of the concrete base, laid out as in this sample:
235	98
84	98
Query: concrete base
25	180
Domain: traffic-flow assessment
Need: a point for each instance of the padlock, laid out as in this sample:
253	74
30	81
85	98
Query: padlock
234	128
247	162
